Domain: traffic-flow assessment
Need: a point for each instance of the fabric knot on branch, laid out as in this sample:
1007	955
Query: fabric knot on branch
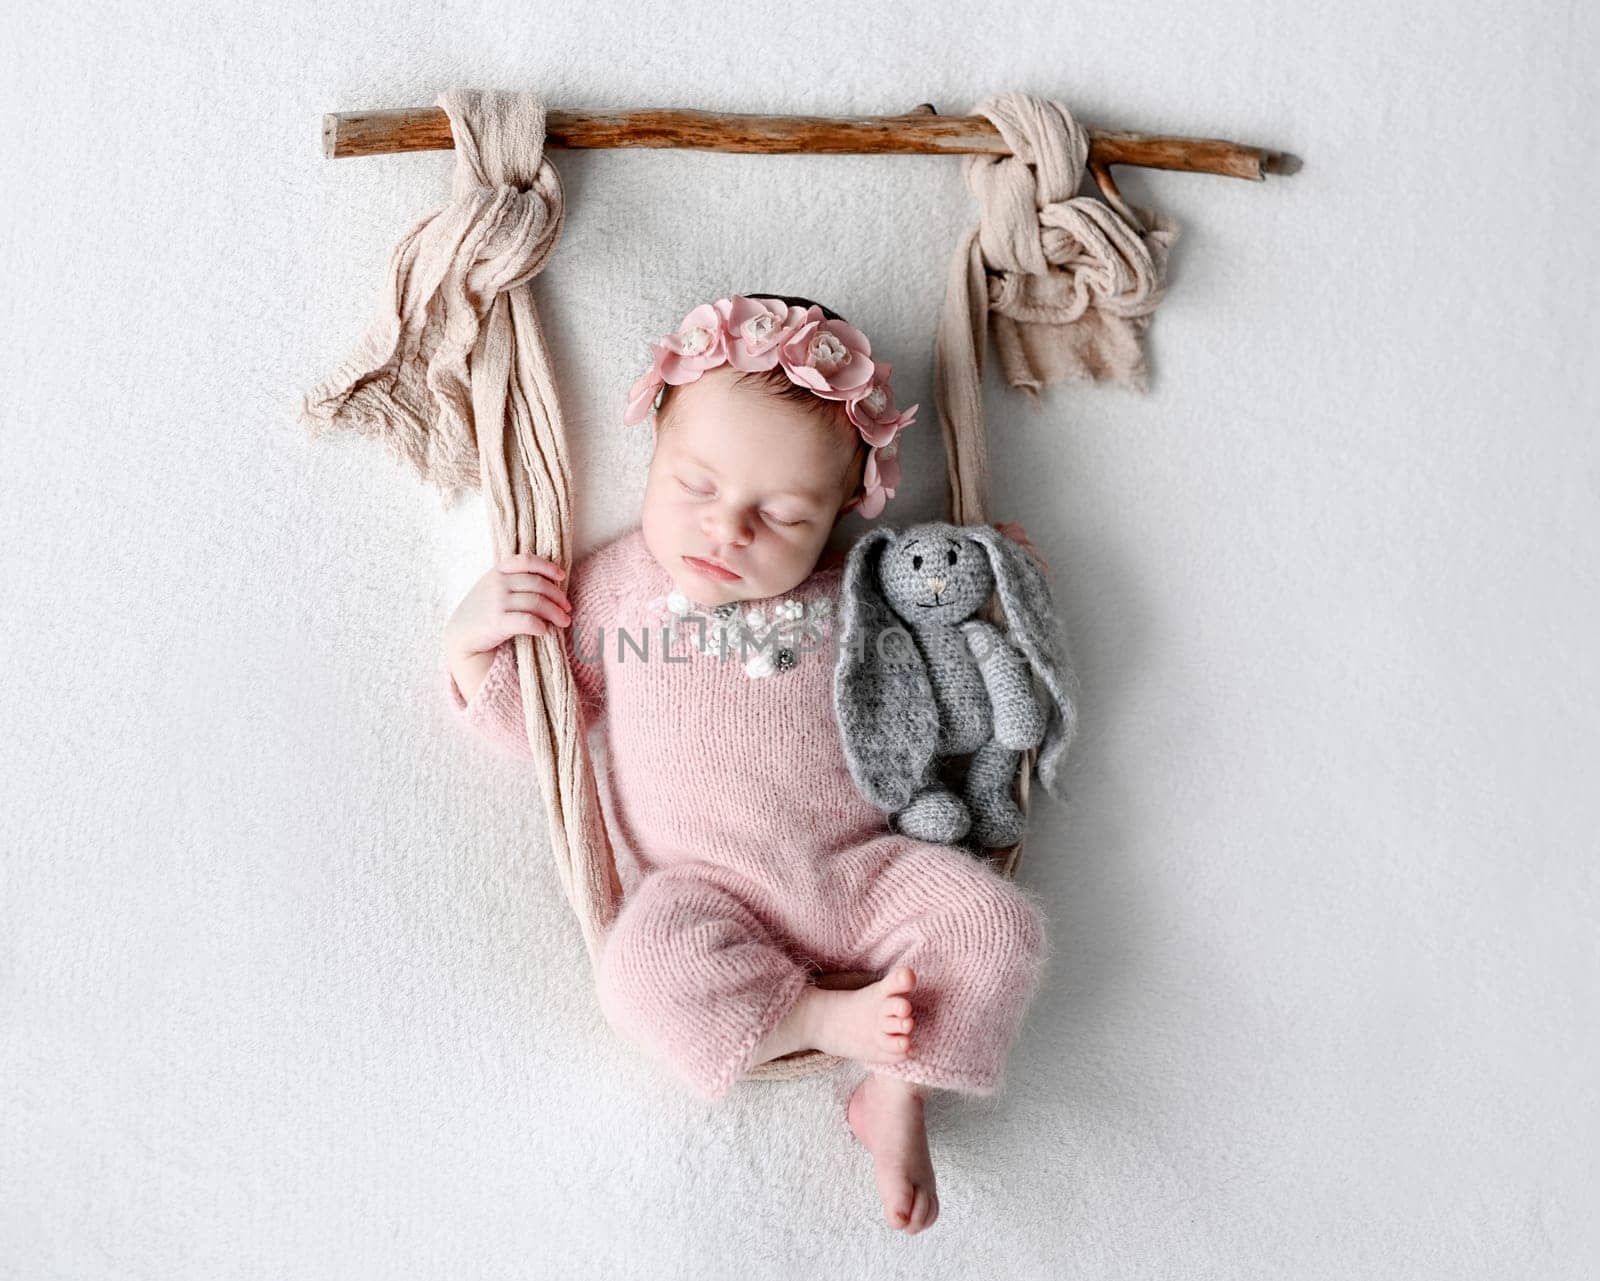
508	240
1090	271
452	282
1065	282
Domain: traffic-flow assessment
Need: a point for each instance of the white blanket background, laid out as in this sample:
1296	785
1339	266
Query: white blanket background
287	985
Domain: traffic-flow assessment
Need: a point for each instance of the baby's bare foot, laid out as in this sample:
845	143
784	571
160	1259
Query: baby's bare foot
872	1024
886	1115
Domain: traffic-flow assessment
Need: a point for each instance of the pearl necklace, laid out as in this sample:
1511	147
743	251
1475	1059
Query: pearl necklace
773	644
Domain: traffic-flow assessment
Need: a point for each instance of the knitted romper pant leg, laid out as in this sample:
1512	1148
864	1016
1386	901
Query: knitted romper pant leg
692	976
695	978
977	943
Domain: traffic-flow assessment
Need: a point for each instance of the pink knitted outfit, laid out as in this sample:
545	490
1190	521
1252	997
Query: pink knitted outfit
753	855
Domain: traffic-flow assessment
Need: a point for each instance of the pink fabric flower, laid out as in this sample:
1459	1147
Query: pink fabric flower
700	344
831	358
873	412
879	479
642	395
756	328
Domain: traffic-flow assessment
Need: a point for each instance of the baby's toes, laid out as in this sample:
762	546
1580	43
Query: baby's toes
896	1045
924	1210
899	1197
896	1007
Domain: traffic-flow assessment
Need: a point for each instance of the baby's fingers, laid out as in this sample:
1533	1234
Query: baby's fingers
533	584
538	606
527	562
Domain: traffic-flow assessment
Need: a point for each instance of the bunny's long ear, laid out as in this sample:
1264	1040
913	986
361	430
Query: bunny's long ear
1031	624
882	695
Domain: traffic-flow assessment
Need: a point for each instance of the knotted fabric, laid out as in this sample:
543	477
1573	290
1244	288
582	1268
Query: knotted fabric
1069	282
454	376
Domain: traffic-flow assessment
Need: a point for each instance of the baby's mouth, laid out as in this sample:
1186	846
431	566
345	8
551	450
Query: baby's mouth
711	569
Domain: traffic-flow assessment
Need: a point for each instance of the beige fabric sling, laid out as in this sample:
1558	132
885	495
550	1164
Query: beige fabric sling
454	376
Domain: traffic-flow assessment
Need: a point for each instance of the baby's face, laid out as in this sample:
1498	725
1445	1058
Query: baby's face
746	480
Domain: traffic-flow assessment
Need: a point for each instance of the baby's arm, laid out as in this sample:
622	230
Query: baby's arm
483	684
495	707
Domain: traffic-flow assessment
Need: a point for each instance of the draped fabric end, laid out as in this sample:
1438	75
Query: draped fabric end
1065	282
347	401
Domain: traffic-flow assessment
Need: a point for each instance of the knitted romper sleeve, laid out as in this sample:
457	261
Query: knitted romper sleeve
495	708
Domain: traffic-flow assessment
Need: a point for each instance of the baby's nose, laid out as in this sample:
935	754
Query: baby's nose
729	527
935	585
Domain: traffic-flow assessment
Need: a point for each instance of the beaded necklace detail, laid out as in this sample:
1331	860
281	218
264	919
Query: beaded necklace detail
768	646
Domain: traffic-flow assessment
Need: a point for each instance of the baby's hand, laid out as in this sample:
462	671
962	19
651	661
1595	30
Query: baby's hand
519	595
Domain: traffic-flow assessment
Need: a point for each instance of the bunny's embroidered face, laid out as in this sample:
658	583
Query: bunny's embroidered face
930	576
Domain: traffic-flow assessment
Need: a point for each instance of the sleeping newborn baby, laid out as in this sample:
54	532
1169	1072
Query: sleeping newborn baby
699	645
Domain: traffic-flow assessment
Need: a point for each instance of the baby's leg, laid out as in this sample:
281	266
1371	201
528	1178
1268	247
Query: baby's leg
689	974
997	823
978	946
885	1113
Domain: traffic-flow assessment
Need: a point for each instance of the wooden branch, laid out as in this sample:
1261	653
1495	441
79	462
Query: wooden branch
923	131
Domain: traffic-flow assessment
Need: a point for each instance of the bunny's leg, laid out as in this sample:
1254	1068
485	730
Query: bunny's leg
691	976
996	821
934	812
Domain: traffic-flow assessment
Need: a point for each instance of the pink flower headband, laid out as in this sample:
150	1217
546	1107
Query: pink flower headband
827	357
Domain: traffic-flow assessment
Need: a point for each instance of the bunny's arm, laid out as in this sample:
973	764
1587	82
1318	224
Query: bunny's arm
1019	720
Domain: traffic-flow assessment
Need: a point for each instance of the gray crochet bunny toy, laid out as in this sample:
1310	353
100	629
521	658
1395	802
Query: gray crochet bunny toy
918	678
